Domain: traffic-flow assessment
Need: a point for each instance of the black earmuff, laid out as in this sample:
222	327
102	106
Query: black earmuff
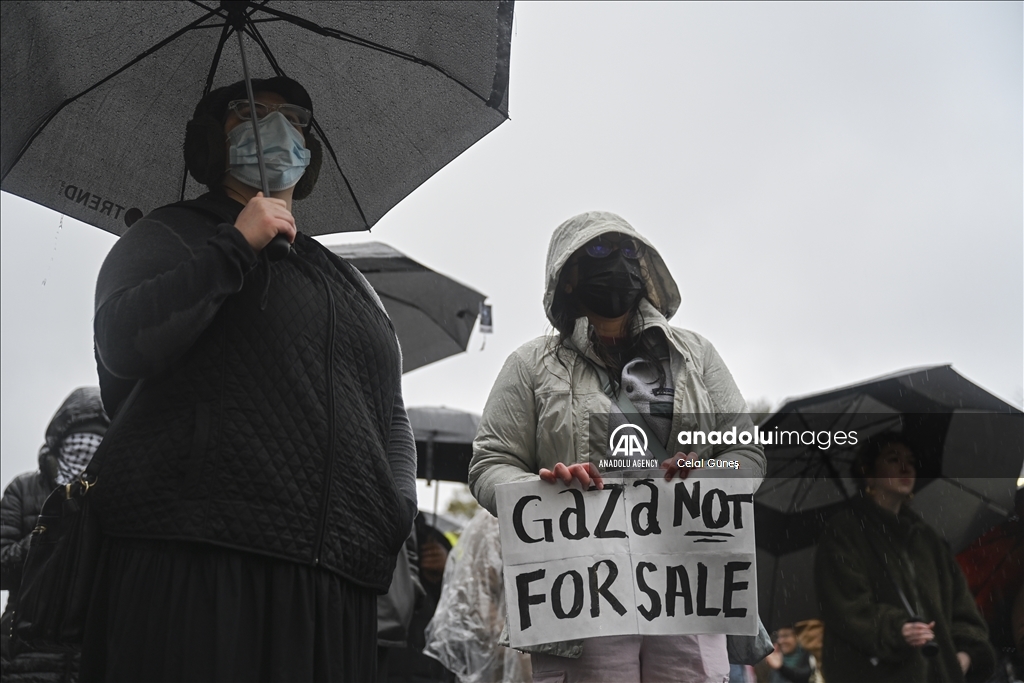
205	150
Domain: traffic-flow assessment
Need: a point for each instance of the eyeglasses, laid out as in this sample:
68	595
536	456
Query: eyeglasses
296	115
603	246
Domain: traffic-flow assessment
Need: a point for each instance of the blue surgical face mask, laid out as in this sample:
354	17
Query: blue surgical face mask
284	153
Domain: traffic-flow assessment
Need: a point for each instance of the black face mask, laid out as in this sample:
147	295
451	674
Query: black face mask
609	286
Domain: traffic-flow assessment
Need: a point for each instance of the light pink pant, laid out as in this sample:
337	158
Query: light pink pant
639	659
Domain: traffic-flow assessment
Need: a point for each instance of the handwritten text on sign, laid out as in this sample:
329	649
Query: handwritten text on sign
641	556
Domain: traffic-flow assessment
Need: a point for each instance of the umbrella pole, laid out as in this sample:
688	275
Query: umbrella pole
437	491
252	110
279	246
430	471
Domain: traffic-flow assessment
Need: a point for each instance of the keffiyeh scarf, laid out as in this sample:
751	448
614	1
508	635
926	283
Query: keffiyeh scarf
75	453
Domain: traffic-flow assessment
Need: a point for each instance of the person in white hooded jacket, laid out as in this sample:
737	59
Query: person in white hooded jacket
609	296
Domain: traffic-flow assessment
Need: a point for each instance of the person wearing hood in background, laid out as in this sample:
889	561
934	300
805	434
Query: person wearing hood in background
259	478
609	296
72	437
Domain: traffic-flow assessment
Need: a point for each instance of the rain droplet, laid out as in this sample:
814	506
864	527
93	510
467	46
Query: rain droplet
48	265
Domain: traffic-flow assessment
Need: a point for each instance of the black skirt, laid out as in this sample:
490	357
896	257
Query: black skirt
178	611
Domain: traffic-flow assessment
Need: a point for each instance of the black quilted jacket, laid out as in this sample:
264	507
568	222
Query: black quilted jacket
263	423
24	496
22	501
20	506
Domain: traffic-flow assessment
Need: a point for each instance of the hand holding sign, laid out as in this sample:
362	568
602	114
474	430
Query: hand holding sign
585	473
641	556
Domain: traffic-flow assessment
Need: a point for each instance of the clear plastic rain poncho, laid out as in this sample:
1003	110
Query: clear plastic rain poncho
463	635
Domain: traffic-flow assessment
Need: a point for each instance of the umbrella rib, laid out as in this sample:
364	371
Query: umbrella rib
363	42
344	177
834	475
798	505
224	35
60	107
980	496
803	419
772	488
258	37
214	63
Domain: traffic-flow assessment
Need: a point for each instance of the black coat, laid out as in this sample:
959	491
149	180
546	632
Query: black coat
264	420
19	508
22	501
864	614
81	411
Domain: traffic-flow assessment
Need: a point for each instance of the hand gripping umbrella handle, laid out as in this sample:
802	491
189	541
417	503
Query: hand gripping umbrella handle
278	248
931	648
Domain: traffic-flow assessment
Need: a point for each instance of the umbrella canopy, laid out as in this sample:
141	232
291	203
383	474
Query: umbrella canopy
96	97
433	315
970	445
444	442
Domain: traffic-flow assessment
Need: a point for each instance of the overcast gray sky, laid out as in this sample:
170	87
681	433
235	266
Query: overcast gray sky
836	187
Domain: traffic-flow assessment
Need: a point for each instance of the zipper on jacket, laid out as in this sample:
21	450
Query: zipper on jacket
325	491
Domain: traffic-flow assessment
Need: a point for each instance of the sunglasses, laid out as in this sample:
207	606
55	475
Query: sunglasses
603	247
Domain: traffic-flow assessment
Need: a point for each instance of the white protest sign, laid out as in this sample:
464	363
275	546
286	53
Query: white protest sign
640	556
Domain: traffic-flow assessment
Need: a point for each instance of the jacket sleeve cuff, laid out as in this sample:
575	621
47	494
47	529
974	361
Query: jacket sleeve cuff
983	659
14	558
892	646
233	245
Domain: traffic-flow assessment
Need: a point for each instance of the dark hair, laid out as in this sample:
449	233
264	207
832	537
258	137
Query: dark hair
867	457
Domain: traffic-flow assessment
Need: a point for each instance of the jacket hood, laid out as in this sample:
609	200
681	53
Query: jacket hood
662	291
82	411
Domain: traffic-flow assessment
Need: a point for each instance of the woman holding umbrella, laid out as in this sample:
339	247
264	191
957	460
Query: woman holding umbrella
608	295
895	604
259	478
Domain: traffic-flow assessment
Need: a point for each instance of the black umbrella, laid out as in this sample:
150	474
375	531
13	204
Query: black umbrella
970	445
96	96
446	524
433	314
444	442
444	445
